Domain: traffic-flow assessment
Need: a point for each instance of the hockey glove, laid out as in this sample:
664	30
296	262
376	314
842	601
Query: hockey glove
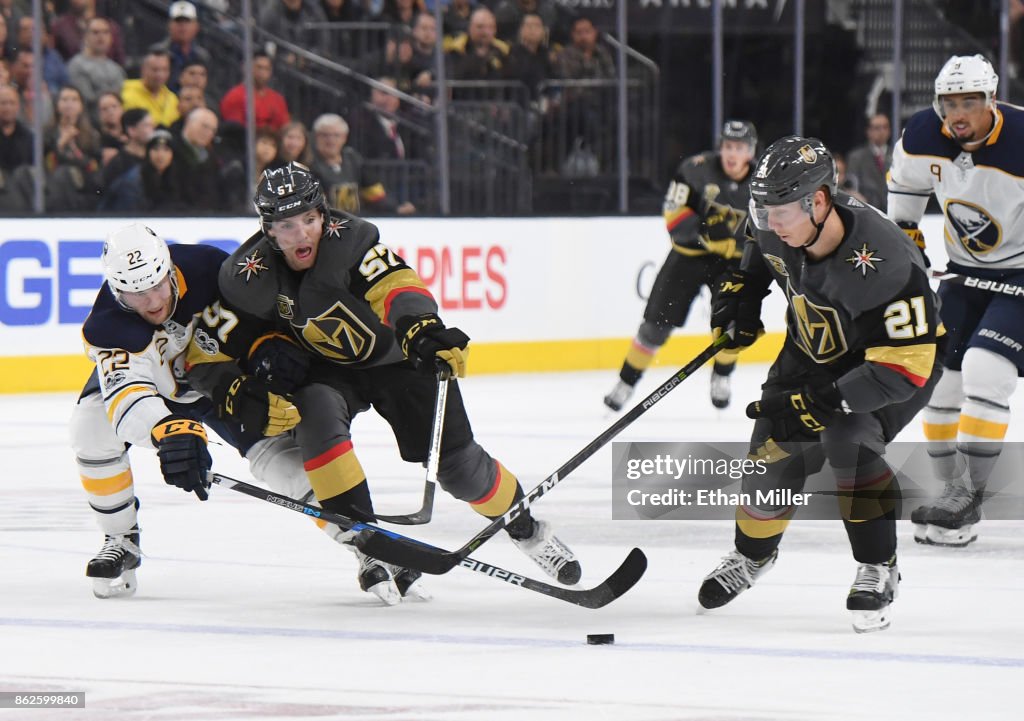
184	461
280	362
717	231
425	340
915	234
250	402
804	411
736	309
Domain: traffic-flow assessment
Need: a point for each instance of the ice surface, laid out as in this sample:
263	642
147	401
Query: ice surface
246	611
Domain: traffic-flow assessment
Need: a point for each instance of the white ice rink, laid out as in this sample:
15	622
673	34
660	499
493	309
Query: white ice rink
246	611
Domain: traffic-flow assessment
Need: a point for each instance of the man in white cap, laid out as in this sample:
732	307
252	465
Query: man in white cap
180	43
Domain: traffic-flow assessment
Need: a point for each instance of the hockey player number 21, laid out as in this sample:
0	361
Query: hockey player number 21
906	319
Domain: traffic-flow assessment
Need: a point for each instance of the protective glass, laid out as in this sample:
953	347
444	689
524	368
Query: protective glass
140	300
781	216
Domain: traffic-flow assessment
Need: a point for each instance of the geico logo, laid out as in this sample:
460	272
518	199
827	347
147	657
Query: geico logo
43	282
466	278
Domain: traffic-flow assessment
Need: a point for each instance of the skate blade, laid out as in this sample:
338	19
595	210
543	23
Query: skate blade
921	533
123	586
387	592
871	621
417	593
952	537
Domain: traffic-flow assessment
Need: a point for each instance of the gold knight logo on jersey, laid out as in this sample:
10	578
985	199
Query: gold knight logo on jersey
819	330
339	335
977	231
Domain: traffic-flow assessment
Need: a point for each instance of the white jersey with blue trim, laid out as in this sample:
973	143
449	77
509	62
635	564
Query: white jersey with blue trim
981	192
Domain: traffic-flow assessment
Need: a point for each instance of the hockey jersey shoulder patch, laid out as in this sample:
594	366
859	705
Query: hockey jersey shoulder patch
248	279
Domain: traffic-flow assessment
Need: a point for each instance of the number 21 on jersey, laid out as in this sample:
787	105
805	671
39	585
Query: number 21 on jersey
906	319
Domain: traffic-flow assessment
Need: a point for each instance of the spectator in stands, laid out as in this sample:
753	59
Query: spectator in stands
69	30
584	109
343	11
347	183
266	154
163	184
92	71
868	163
5	47
379	132
71	147
420	69
584	59
347	43
286	19
196	74
15	138
401	12
270	108
201	167
180	43
9	14
479	55
150	91
21	77
530	60
55	72
122	178
109	110
190	97
295	145
509	16
844	181
456	19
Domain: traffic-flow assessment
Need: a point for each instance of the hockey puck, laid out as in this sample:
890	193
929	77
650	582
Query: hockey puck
600	639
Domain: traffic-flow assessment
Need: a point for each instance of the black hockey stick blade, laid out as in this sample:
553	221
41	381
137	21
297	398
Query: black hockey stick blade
427	560
622	579
421	516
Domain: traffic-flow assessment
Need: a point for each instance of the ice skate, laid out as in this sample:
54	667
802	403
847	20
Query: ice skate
872	593
734	575
410	584
113	569
619	396
721	390
951	519
550	554
375	577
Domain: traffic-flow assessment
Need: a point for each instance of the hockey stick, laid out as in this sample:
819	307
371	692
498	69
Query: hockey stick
430	559
621	580
970	281
444	374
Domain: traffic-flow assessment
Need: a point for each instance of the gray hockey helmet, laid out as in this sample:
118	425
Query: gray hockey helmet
738	130
791	169
284	192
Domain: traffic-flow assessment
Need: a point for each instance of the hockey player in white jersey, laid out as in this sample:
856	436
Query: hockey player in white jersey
967	150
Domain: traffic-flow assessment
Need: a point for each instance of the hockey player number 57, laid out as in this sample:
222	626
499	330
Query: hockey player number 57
220	318
905	319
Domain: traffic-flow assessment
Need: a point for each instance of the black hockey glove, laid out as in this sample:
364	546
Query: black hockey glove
915	235
249	402
425	340
280	362
184	461
736	309
804	411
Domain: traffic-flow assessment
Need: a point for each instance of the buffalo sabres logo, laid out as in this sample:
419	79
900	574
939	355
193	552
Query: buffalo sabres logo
863	259
335	227
977	231
777	263
252	265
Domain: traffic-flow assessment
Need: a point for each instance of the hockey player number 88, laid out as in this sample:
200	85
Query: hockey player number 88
898	322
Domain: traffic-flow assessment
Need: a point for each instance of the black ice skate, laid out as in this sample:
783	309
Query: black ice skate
375	577
619	396
872	592
550	554
113	569
734	575
721	390
950	520
409	584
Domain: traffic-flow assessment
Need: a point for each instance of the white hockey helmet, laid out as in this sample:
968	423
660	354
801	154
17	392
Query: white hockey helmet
965	74
135	259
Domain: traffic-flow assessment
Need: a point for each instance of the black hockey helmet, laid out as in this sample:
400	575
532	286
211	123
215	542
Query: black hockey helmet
793	168
738	130
284	192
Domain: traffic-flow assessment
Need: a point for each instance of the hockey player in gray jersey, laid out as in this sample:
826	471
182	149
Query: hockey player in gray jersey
705	210
858	363
340	322
969	151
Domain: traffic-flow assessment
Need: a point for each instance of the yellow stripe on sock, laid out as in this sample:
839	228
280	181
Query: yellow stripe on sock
983	429
107	486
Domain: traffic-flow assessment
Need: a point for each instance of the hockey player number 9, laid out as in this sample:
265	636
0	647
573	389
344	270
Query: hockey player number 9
898	319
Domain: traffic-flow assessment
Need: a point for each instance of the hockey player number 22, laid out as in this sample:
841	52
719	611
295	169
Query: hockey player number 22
906	319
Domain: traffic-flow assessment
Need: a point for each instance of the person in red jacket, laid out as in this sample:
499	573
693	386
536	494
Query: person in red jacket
271	108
